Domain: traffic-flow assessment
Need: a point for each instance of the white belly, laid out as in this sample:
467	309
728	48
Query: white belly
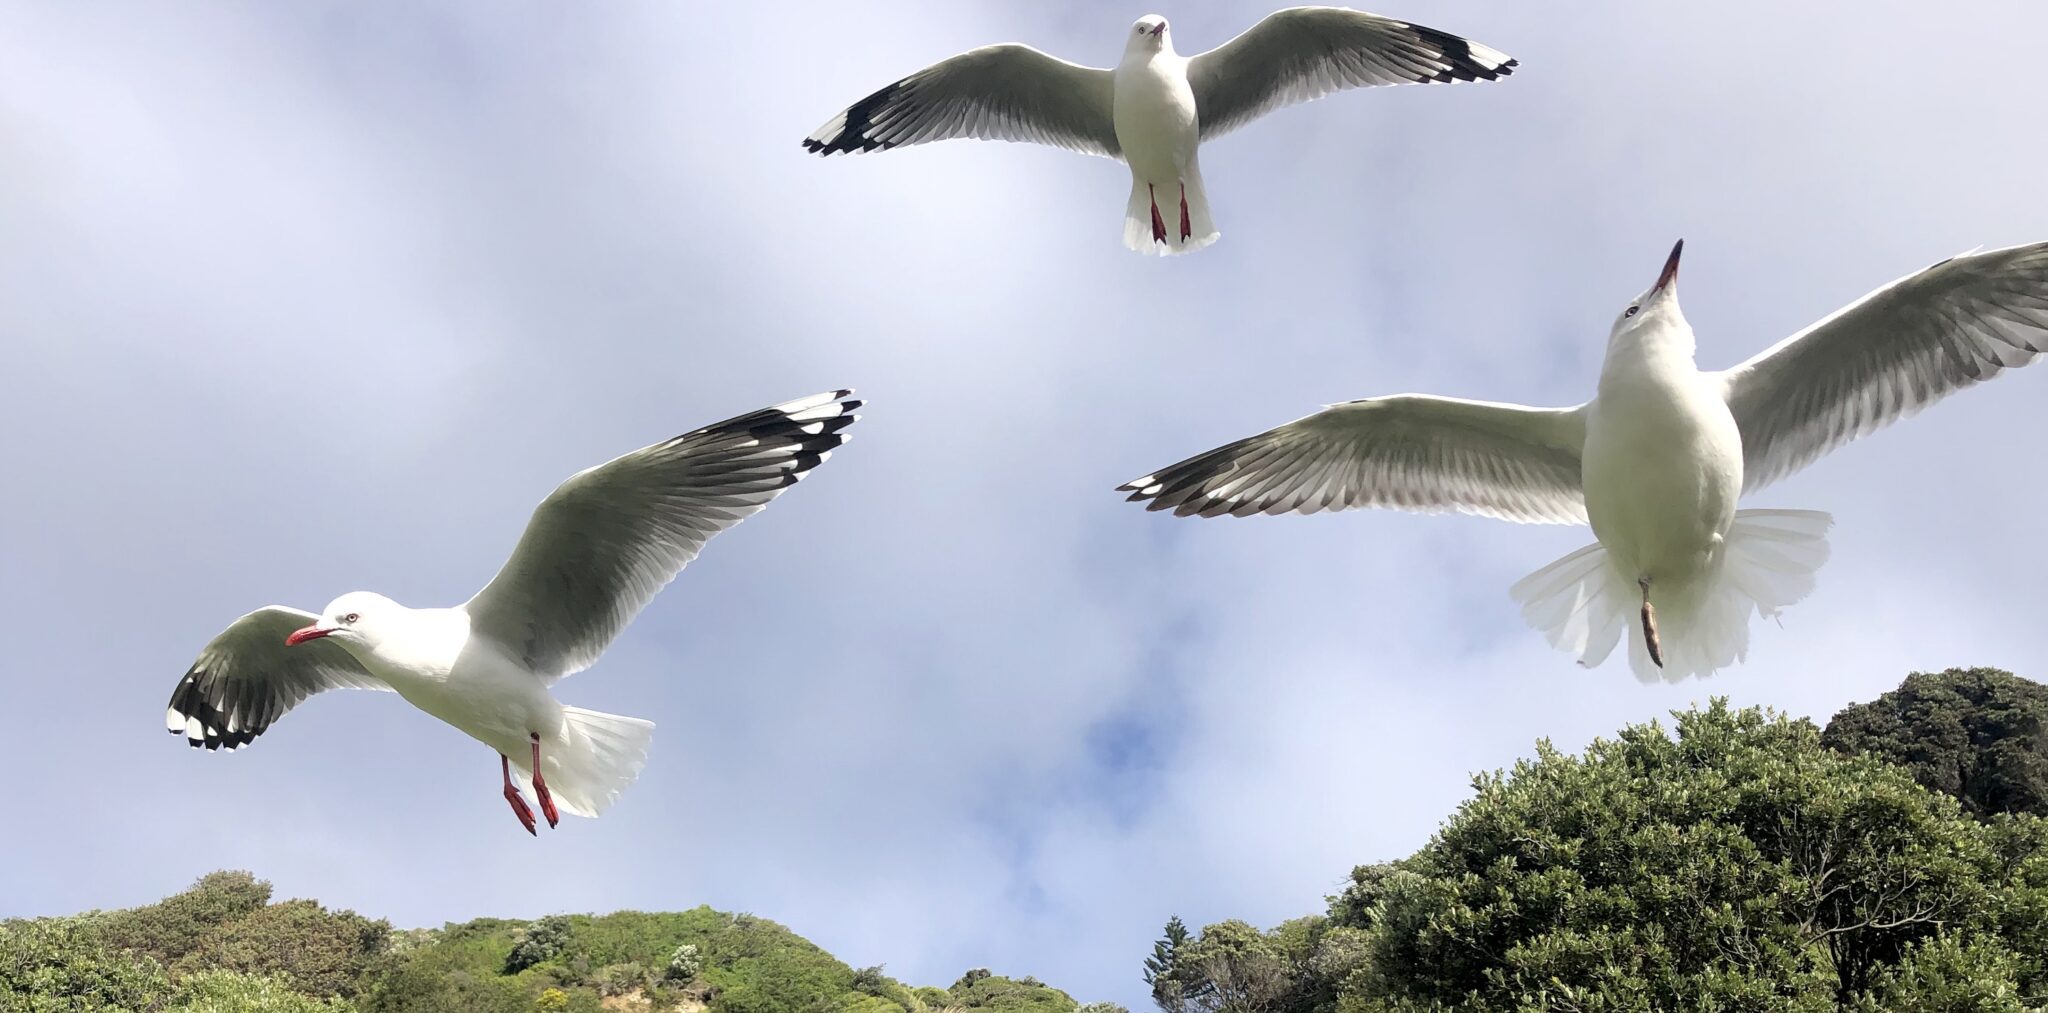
1154	113
489	698
1662	469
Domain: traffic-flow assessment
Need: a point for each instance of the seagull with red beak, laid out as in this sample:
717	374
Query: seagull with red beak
1655	461
594	554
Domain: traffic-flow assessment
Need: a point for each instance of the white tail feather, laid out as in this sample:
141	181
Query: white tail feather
595	760
1584	606
1167	193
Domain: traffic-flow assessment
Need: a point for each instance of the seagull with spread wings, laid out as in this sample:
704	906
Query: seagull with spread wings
1156	109
595	553
1655	461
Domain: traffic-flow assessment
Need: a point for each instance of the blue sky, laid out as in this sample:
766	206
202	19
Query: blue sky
300	299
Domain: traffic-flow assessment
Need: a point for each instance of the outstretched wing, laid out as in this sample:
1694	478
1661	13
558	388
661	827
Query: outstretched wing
600	546
1406	451
1304	53
246	678
995	93
1888	355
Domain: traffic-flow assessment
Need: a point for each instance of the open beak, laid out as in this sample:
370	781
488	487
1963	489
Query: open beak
301	636
1670	268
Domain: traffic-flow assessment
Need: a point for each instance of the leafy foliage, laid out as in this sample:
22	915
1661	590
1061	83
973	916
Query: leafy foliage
1976	733
1737	864
246	955
312	950
68	964
172	927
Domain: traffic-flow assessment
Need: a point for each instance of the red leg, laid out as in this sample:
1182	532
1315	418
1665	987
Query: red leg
1158	223
512	795
540	788
1187	228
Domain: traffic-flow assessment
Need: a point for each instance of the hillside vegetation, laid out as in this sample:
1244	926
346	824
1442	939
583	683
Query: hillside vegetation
1738	861
224	947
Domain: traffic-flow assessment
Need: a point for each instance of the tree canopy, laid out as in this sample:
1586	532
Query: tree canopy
1732	863
1976	733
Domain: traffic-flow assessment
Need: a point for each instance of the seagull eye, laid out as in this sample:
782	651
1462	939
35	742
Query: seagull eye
1631	311
350	618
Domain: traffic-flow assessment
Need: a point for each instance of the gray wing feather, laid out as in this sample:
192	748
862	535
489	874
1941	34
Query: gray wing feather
997	93
1407	451
246	678
603	543
1888	355
1304	53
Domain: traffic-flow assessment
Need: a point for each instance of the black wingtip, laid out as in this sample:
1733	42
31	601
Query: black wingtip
852	132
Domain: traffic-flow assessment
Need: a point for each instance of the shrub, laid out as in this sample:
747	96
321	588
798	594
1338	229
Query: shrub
313	950
65	964
685	964
543	940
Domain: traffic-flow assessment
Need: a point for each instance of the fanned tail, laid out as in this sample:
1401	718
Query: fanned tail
1171	216
1584	606
598	757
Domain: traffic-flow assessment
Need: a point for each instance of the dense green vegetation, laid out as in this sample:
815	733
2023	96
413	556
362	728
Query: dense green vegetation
1740	861
1976	733
224	947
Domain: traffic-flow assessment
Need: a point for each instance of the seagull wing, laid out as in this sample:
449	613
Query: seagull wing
1888	355
1303	53
600	546
246	678
995	93
1407	451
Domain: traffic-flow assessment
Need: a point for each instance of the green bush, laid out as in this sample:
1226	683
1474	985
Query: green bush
1976	733
170	928
542	940
67	964
315	951
230	992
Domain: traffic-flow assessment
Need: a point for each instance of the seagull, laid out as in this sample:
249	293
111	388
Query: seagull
1157	107
594	554
1655	461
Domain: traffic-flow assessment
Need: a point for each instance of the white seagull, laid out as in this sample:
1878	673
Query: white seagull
595	553
1157	107
1655	461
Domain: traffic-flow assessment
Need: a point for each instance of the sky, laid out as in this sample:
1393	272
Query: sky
303	299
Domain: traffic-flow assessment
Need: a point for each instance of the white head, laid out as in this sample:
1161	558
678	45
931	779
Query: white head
1148	35
356	619
1657	308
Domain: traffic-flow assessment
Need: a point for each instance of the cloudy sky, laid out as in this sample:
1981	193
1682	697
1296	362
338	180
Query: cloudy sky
300	299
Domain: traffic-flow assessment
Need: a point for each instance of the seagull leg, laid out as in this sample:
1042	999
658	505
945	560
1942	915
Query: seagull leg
1187	228
540	787
1650	624
1158	223
519	807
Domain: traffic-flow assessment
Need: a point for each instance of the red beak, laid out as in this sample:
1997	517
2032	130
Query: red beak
1670	268
1159	28
301	636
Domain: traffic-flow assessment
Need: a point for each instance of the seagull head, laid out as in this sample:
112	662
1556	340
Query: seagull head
1149	33
353	617
1657	307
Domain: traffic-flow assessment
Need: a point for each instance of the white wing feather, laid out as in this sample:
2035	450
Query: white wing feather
997	93
1304	53
1406	451
600	546
1888	355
